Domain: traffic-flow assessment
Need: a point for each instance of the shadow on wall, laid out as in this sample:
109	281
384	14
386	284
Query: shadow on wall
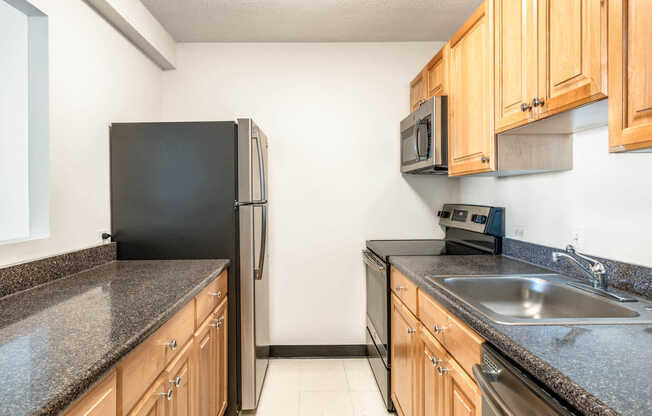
434	190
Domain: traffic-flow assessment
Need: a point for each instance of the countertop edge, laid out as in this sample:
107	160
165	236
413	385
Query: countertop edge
60	402
556	381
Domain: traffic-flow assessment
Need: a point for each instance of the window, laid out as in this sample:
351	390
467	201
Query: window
24	144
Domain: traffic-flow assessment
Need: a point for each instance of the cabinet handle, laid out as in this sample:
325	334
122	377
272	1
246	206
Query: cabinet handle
484	159
538	102
441	371
176	381
399	288
168	394
435	361
438	329
172	345
218	323
411	331
525	107
217	295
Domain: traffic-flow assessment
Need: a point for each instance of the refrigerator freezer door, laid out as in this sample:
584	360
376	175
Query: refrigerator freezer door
254	292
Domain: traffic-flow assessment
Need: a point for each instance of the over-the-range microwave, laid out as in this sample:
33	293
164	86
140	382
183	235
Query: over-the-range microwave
424	138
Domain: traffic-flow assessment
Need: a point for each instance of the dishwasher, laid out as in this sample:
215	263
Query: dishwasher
507	391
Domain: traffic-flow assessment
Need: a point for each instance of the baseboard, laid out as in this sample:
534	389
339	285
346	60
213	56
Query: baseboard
317	351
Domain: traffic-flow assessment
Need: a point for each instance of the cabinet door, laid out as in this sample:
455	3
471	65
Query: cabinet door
437	73
431	356
462	396
471	141
156	400
630	75
181	374
573	53
100	401
417	91
515	61
404	342
205	344
222	358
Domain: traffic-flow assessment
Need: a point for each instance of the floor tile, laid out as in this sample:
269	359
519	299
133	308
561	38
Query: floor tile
325	403
359	376
368	403
323	375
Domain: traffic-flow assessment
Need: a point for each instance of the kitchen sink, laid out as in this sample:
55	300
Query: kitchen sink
542	300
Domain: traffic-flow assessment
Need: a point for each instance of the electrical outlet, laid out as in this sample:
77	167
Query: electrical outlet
519	232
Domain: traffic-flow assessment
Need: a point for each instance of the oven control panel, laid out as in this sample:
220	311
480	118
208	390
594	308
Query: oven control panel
477	218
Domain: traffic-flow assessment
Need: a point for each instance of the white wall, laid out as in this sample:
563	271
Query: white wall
606	198
14	198
332	113
96	77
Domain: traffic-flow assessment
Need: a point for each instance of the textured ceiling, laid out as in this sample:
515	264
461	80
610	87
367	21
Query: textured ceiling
310	20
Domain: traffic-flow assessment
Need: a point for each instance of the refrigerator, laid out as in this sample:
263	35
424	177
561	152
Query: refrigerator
199	190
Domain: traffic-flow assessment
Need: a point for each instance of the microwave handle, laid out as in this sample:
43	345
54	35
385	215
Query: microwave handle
416	140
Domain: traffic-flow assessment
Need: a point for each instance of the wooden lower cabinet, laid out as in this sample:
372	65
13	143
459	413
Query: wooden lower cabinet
404	367
212	363
187	377
462	396
100	401
155	400
431	394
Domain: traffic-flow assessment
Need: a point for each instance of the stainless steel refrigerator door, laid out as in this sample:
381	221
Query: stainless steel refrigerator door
254	276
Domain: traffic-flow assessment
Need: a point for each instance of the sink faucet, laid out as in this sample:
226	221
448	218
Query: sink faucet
596	272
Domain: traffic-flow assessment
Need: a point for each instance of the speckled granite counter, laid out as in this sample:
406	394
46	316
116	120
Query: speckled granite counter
599	369
58	339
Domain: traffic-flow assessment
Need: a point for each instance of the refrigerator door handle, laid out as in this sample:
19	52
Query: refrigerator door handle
258	272
258	202
261	167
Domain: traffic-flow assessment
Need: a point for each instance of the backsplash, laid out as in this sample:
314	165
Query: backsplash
623	276
26	275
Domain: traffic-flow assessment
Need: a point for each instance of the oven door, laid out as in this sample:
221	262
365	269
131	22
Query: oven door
377	301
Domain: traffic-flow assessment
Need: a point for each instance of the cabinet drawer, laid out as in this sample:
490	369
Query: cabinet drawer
139	369
433	316
404	289
210	297
101	400
463	343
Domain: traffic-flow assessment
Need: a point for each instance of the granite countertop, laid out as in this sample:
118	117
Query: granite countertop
58	339
601	370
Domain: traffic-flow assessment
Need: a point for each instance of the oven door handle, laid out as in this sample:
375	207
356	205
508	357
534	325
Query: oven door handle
490	395
371	260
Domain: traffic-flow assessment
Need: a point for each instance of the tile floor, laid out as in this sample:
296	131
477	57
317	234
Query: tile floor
320	387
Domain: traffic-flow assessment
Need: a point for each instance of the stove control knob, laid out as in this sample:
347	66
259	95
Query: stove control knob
479	219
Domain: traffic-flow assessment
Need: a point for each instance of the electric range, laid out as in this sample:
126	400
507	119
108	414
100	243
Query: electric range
469	230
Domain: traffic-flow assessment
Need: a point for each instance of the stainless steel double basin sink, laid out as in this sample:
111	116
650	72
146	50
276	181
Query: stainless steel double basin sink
542	300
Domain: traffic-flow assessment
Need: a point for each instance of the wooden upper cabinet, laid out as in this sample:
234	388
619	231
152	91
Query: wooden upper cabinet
437	73
404	347
630	75
471	140
418	90
572	53
515	61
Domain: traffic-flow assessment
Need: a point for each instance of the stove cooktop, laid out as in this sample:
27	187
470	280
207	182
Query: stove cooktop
386	248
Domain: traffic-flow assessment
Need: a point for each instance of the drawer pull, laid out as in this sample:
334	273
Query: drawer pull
442	371
399	288
411	331
176	381
218	323
172	345
217	295
168	394
435	361
439	329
